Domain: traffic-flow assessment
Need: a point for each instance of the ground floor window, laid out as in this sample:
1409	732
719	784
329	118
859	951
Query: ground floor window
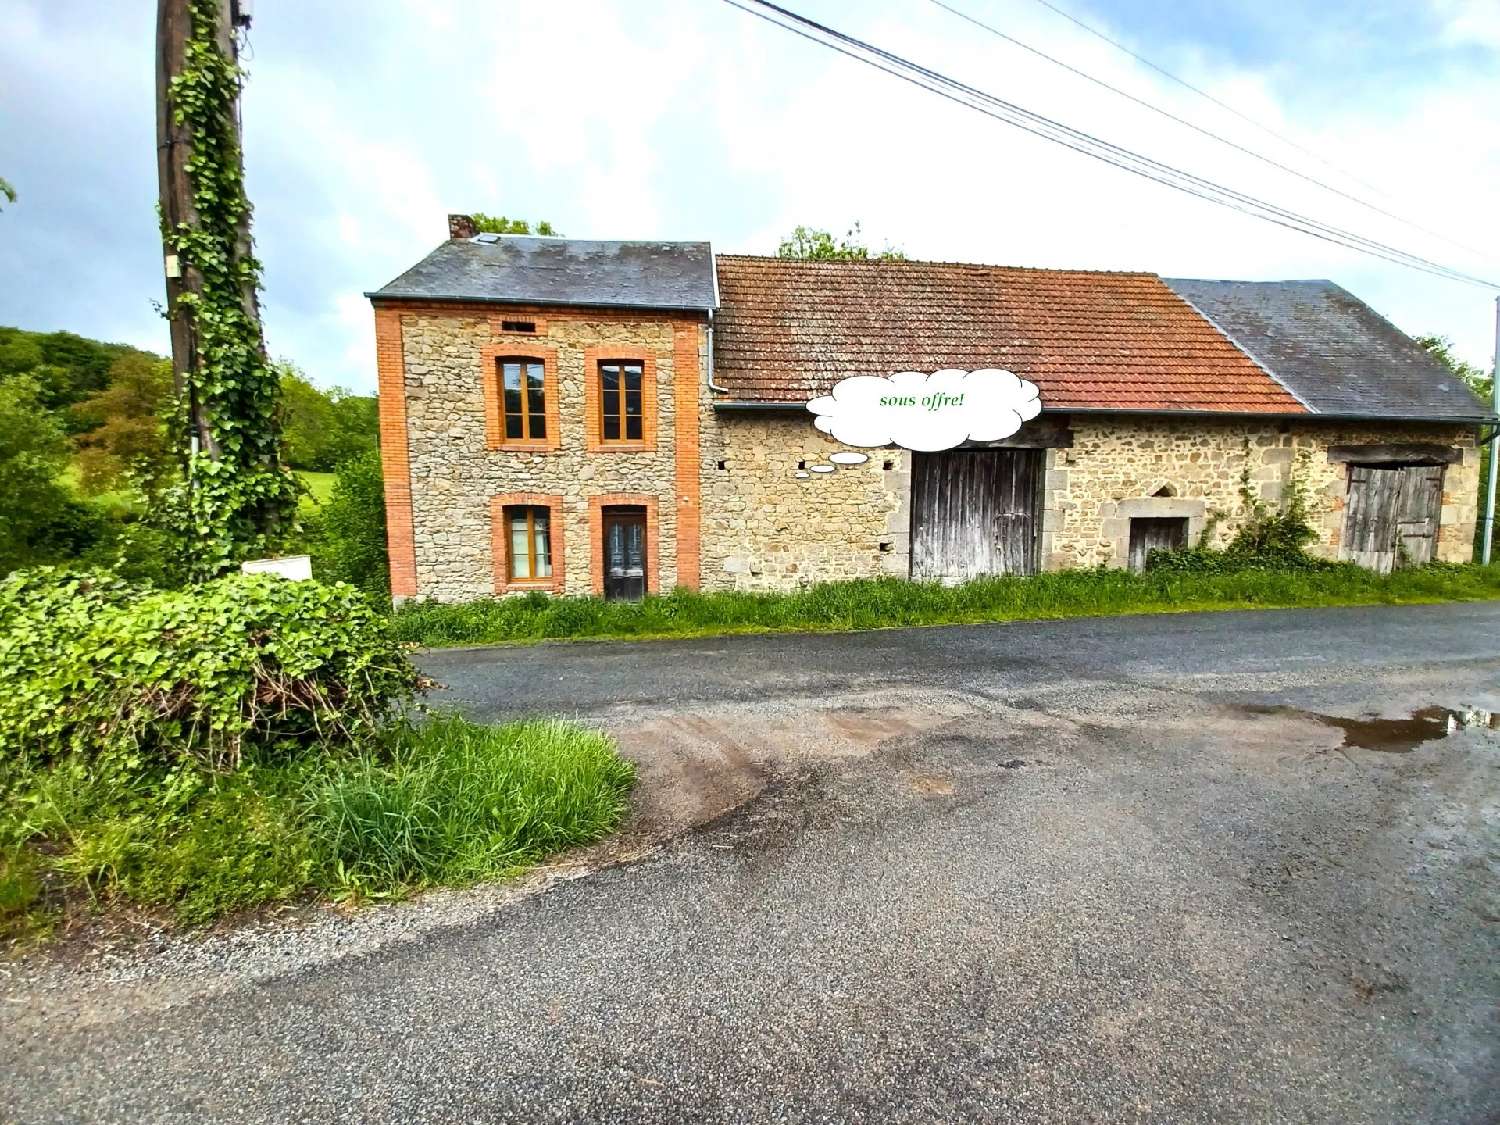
529	544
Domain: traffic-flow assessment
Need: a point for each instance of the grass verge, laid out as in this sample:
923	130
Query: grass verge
445	802
891	602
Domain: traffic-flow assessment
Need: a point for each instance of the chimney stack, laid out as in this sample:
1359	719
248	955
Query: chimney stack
461	226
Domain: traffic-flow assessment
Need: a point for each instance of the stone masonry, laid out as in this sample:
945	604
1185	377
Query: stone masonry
456	470
766	527
737	498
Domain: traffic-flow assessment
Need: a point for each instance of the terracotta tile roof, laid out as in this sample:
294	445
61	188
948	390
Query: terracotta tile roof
787	330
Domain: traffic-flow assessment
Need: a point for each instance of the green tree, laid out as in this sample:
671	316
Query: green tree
499	224
7	191
350	545
40	521
322	428
1441	348
813	245
1482	384
127	435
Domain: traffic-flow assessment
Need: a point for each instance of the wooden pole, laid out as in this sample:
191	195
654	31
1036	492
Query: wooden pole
1489	491
174	146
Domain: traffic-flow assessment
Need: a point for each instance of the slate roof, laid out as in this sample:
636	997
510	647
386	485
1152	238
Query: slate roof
787	330
1331	349
562	271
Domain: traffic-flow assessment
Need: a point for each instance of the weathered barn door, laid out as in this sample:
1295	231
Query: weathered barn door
974	512
1392	513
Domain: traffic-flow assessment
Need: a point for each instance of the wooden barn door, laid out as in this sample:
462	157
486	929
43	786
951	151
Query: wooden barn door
1392	513
974	512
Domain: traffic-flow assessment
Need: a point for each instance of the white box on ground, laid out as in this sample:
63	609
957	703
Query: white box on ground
297	567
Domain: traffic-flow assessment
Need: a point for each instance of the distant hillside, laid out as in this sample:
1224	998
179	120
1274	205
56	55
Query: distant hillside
68	368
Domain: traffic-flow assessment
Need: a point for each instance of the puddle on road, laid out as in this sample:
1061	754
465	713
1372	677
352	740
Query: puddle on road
1392	736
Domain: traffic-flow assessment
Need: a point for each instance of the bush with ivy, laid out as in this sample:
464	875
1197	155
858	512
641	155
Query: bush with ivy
1269	538
98	666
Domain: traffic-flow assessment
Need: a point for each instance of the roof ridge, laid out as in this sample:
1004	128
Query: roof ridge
907	262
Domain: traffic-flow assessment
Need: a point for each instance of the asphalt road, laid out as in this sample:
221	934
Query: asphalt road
1132	869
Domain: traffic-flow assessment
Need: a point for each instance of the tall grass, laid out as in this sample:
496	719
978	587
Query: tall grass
443	802
891	602
457	802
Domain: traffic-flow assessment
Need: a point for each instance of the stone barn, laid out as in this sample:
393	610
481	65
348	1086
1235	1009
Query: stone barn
616	418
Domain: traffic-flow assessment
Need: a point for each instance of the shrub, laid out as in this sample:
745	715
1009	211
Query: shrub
96	665
349	540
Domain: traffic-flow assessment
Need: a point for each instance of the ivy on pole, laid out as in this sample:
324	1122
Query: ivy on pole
237	500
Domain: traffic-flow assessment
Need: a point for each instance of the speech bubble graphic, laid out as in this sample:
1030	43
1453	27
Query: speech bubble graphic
848	457
927	412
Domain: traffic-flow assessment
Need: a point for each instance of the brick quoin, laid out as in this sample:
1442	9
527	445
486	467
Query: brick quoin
687	379
394	459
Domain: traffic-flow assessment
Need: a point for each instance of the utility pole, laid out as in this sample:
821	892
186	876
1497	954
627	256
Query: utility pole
1489	492
174	147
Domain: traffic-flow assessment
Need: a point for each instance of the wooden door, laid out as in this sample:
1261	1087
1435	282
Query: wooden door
974	512
624	553
1392	513
1150	533
1418	510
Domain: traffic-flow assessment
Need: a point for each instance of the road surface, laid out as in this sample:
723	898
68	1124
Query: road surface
1177	868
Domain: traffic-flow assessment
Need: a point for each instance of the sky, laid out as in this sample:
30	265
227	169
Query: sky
367	121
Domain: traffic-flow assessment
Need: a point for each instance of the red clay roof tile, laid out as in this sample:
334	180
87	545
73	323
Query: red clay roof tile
787	330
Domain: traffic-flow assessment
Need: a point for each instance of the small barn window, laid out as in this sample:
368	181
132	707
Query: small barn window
518	326
1165	490
1155	533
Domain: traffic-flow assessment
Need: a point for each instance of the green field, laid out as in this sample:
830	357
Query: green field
319	486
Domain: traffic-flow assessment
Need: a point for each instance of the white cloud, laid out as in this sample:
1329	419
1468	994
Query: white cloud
927	412
692	120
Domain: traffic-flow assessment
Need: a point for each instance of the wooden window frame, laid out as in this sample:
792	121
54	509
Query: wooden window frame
597	504
593	396
493	378
500	542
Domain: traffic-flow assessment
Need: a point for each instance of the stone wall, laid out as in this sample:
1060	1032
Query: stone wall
771	523
738	499
1117	467
455	473
766	527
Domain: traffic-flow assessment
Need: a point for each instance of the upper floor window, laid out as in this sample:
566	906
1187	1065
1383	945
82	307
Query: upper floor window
620	400
524	399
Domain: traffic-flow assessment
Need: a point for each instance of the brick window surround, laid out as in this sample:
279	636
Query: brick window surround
593	401
518	346
597	504
500	541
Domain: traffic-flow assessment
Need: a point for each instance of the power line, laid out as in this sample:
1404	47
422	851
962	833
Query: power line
1170	116
1225	106
1079	141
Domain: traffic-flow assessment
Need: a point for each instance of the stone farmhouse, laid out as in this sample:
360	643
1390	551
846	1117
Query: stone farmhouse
616	418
